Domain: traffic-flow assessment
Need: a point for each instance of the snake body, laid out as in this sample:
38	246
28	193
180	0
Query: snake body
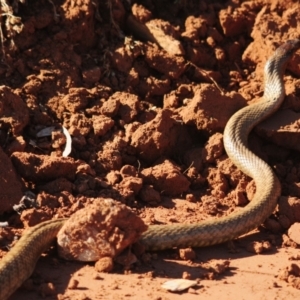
235	137
20	262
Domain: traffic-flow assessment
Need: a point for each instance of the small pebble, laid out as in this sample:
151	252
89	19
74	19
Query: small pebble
178	285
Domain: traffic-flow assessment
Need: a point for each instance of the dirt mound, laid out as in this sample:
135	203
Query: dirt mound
145	90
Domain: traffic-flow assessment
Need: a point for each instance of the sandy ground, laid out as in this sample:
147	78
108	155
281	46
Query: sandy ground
145	90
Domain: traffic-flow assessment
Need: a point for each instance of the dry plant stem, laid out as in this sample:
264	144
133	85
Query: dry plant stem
208	76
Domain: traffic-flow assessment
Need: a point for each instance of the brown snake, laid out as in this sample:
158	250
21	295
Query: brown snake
20	262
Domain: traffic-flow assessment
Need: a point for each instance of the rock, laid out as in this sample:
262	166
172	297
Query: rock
108	160
170	65
258	247
167	178
178	285
289	207
130	186
76	99
110	106
155	138
187	254
281	26
31	217
102	229
236	22
102	124
165	35
39	168
13	111
104	264
209	115
282	128
294	232
214	148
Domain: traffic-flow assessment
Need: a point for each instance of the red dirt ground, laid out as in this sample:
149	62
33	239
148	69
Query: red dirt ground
145	90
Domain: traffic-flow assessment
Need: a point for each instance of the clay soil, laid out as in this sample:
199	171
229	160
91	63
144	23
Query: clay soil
145	89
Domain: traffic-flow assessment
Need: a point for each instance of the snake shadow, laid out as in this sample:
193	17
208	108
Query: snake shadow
168	264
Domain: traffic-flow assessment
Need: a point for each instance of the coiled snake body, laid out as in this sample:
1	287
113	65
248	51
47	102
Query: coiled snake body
20	262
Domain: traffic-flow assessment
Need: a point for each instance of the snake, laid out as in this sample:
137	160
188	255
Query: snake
19	263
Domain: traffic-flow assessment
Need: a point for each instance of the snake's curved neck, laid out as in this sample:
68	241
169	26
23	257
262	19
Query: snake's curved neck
274	90
235	141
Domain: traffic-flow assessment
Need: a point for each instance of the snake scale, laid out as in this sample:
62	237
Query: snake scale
20	261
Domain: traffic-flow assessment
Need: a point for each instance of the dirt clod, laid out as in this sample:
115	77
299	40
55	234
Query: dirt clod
103	229
104	264
41	167
294	233
259	247
166	178
187	254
